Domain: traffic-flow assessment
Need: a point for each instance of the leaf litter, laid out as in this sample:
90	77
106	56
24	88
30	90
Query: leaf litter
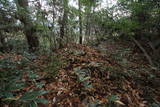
91	78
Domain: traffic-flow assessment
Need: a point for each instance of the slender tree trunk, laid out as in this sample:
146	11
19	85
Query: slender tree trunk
63	23
144	51
2	42
29	29
88	22
61	33
80	23
53	33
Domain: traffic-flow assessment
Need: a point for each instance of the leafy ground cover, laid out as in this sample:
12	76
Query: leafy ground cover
80	76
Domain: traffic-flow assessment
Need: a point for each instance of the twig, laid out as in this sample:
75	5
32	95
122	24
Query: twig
144	51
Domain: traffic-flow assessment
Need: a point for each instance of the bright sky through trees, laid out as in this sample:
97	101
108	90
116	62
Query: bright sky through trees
103	4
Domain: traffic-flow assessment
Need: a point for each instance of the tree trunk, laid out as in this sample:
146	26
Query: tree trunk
29	29
80	23
63	23
144	51
61	33
2	42
88	21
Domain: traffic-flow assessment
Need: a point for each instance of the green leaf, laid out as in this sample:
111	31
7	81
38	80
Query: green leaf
81	78
33	95
40	85
6	94
10	99
41	100
155	105
113	98
88	85
33	104
15	86
32	75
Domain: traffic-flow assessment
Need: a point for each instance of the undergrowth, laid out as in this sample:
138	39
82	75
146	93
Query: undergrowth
13	82
53	66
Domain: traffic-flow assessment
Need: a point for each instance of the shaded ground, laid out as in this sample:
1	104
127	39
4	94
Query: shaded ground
111	74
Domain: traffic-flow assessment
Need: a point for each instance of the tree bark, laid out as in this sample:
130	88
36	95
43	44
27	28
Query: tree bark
88	21
80	23
29	29
2	42
144	51
63	23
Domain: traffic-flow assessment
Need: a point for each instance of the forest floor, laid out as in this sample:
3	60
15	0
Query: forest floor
110	74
